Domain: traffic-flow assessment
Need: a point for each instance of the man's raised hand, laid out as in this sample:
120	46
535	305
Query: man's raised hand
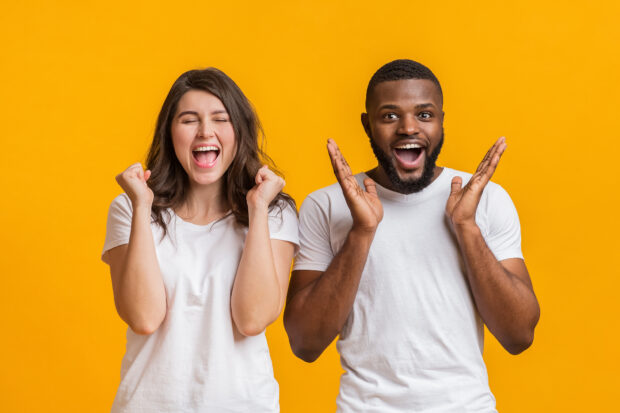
463	201
364	205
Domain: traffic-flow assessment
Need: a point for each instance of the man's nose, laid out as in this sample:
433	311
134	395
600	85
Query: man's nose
409	125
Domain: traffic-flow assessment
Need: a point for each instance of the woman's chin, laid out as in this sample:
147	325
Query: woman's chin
205	180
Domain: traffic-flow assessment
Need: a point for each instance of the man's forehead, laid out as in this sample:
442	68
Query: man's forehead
406	91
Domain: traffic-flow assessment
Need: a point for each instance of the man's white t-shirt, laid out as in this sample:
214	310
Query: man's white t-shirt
413	340
197	361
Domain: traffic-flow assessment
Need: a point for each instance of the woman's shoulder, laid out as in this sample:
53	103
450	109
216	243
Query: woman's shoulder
122	201
121	206
283	221
284	208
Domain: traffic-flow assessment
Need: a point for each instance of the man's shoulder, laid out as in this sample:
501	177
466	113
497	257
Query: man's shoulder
491	188
451	173
331	193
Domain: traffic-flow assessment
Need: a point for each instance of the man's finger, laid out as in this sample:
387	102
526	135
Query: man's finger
484	160
492	165
456	185
341	168
333	159
337	155
490	155
371	186
344	163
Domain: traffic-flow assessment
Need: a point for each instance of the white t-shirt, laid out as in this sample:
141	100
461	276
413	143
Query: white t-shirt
413	340
197	361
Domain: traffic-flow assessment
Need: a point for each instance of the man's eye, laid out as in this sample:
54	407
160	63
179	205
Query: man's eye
390	116
425	115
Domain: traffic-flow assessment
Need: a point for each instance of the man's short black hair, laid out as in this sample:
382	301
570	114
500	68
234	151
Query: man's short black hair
398	70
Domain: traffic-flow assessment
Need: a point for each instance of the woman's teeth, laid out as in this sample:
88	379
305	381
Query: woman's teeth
206	148
206	155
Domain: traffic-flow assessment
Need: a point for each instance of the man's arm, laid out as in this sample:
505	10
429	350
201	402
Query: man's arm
319	303
502	290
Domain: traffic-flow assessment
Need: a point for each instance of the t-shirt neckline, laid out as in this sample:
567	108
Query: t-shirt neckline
199	227
430	191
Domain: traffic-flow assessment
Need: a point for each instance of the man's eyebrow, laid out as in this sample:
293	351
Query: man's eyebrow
388	106
418	106
424	105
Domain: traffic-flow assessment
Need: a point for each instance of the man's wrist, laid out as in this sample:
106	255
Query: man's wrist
467	229
362	234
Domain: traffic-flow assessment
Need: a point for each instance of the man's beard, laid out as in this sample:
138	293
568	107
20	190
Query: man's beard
413	185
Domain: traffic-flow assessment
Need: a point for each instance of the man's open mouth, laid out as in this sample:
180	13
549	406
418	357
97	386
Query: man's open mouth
408	154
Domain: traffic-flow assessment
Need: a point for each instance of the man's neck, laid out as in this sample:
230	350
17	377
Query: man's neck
378	175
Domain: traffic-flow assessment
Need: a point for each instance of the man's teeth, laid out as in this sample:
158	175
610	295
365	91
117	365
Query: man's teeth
409	146
206	148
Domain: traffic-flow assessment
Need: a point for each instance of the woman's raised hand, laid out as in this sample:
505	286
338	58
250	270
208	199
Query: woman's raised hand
133	181
268	186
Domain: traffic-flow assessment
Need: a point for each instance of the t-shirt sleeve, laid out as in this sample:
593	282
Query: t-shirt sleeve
283	224
315	252
119	224
503	235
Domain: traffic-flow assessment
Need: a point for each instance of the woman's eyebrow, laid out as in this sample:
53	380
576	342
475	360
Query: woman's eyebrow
192	112
187	112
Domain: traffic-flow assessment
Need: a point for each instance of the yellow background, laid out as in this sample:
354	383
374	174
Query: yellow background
82	83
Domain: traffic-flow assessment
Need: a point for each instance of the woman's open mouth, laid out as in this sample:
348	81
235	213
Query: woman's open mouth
409	155
205	156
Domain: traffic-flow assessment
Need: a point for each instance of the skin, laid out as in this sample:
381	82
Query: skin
320	302
404	111
408	111
261	280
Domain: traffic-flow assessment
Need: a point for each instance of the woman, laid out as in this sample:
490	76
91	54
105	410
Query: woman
199	247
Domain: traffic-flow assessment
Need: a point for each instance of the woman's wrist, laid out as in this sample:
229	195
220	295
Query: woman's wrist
142	208
258	210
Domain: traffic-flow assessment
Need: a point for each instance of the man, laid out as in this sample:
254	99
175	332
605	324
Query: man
407	261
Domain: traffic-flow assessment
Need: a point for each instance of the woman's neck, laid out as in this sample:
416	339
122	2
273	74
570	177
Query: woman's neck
204	204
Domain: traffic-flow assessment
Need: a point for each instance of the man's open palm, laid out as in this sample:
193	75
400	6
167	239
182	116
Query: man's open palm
364	205
463	201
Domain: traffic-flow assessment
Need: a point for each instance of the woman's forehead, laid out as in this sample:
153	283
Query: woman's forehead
199	101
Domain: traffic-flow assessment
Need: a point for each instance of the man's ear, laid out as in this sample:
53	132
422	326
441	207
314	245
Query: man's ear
366	125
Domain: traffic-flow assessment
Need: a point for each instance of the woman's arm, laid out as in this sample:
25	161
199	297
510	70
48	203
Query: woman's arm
139	292
262	277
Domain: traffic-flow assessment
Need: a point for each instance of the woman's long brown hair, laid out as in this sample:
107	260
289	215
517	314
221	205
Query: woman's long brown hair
169	181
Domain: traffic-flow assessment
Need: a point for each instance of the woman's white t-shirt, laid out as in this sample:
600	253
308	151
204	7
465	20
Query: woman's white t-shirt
197	361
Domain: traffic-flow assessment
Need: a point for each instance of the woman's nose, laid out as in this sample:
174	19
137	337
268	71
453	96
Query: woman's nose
206	130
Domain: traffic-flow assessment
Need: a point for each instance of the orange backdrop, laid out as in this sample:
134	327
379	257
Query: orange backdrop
82	83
